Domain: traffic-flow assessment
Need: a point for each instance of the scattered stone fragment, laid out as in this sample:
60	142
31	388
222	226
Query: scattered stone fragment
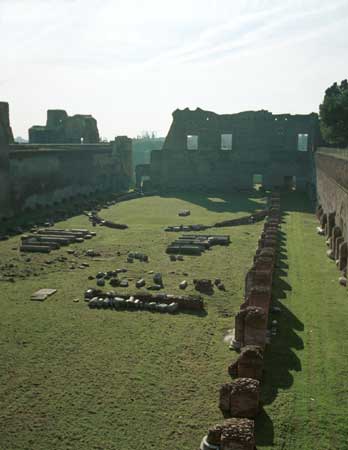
157	279
203	285
184	213
330	254
124	283
140	283
92	253
343	281
155	287
183	284
100	282
320	231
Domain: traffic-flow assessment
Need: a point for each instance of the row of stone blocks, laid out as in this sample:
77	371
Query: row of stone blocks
240	399
338	247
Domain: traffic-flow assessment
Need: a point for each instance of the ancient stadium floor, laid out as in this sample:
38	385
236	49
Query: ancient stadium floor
74	378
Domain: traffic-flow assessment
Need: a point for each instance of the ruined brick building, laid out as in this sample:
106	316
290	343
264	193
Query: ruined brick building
208	151
63	129
59	167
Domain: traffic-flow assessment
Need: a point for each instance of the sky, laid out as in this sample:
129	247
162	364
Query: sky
131	63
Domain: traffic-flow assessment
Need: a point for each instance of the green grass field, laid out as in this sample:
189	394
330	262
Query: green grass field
74	378
305	387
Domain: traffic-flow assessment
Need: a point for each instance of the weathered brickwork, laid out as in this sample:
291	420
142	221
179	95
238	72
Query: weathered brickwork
32	176
332	186
332	199
204	150
61	128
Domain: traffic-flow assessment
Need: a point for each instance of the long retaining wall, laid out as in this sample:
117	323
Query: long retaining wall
332	189
332	208
239	400
34	176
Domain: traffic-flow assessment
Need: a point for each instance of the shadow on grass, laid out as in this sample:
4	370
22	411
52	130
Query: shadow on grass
56	212
233	202
279	359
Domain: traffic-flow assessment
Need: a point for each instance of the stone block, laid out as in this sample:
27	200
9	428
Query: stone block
244	398
257	277
239	434
255	330
232	434
260	296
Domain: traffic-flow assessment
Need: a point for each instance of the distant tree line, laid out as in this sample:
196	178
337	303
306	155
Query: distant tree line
143	145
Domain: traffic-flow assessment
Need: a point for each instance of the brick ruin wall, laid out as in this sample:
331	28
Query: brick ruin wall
332	186
33	176
261	144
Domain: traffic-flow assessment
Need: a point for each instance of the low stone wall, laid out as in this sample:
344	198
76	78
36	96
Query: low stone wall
239	400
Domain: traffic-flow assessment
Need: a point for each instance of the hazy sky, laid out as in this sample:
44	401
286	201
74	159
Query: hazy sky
130	63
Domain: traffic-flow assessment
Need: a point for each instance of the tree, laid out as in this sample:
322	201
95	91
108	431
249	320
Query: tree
334	114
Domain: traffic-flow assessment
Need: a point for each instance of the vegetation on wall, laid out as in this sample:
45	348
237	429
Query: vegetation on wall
334	114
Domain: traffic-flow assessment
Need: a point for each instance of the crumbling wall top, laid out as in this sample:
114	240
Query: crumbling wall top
61	128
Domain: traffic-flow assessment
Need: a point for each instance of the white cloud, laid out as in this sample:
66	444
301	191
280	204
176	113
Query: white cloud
130	63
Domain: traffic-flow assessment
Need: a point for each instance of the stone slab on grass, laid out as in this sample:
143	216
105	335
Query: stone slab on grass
42	294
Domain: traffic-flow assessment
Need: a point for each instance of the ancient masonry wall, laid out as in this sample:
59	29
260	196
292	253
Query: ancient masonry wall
239	400
260	145
332	198
34	176
38	175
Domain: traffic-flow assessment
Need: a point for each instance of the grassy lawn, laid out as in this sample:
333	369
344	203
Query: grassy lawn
306	384
74	378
